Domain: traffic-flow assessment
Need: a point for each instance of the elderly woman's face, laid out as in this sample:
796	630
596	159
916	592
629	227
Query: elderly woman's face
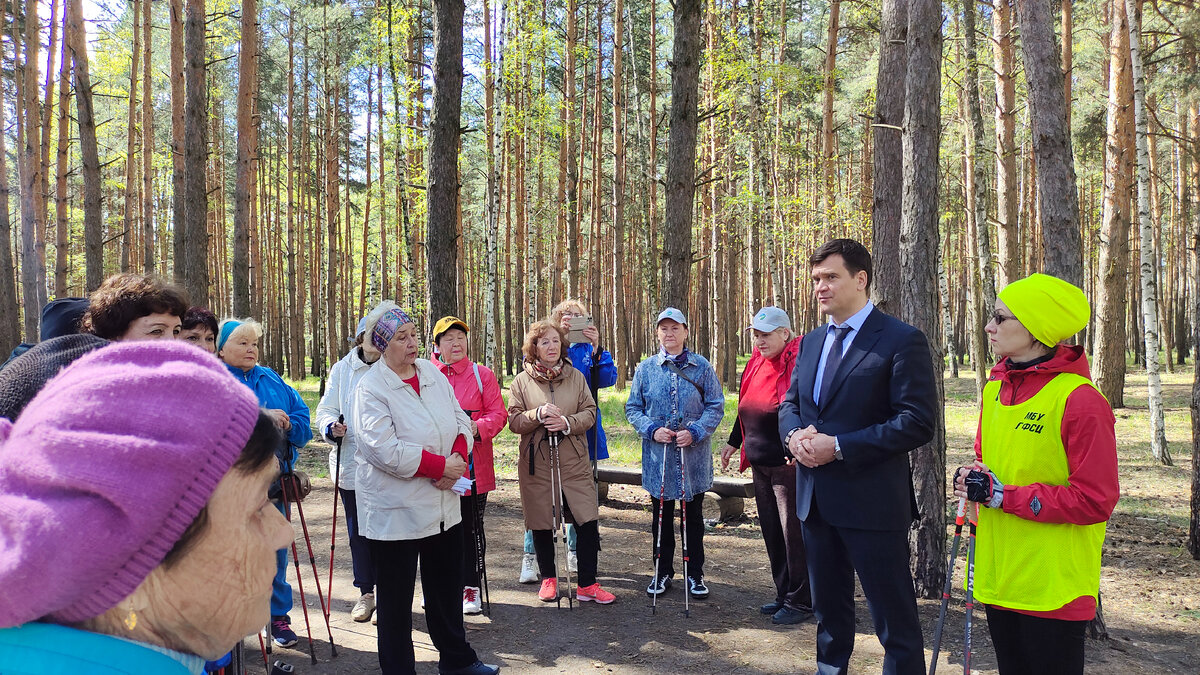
160	326
402	349
771	344
549	347
220	590
453	346
240	350
672	335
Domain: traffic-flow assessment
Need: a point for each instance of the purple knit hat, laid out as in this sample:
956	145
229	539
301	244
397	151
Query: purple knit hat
105	469
388	325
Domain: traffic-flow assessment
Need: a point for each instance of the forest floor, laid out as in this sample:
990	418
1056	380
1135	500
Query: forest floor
1149	582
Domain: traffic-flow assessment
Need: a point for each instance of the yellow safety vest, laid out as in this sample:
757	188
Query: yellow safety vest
1026	564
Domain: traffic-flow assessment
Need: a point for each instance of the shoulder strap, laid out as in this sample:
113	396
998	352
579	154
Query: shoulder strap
675	369
478	382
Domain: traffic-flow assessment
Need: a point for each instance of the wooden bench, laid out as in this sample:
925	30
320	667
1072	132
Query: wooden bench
729	494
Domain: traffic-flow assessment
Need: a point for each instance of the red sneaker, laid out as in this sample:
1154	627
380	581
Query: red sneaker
594	594
549	590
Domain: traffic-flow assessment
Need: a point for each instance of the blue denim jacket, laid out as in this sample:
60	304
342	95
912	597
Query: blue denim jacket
658	398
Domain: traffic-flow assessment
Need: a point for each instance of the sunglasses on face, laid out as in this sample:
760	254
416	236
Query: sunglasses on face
999	318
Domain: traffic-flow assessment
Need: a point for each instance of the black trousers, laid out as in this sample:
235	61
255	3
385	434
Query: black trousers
440	556
587	551
1027	645
694	533
881	559
775	495
472	510
360	550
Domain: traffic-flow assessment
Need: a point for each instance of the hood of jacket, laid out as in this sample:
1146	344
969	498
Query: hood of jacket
787	360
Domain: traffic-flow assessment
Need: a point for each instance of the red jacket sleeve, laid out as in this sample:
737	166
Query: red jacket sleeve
494	415
1092	489
434	466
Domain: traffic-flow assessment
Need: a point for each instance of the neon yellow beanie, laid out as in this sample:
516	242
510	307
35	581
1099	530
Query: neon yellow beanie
1051	309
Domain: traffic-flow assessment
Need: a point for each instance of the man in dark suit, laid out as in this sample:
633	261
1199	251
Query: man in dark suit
862	396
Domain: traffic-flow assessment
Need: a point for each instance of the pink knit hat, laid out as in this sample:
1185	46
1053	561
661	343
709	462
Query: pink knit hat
105	469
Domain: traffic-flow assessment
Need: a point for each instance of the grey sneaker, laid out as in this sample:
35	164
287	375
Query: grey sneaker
529	572
364	608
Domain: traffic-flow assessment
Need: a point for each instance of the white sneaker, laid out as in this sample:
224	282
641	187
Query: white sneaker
364	608
471	602
529	572
572	561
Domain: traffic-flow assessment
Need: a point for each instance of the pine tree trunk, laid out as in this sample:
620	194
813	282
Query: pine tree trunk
92	225
33	268
1113	287
1007	181
195	170
829	153
1149	262
179	224
681	154
245	157
10	330
887	188
441	242
130	203
919	249
62	236
149	264
1058	199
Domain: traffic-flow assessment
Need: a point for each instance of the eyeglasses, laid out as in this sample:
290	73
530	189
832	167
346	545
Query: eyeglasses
573	314
998	318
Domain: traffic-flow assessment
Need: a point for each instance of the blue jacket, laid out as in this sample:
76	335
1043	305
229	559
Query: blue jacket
50	649
604	375
273	392
661	398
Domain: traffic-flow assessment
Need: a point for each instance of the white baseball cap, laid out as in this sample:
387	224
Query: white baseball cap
672	314
770	318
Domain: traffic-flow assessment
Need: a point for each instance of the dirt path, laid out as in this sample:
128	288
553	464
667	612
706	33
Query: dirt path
724	634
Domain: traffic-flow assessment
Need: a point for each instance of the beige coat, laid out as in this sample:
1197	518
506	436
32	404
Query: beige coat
570	393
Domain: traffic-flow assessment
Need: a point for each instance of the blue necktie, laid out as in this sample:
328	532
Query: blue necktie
832	360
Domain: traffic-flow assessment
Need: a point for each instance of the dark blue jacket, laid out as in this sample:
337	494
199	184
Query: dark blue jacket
881	405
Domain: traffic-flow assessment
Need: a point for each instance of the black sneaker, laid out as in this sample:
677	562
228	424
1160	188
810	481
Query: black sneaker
787	616
282	633
659	585
697	588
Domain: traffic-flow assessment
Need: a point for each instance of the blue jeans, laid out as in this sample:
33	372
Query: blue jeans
281	592
360	550
572	536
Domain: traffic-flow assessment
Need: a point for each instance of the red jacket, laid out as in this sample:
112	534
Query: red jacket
787	365
486	408
1089	438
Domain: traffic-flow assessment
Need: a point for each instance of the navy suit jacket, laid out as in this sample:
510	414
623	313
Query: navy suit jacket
880	405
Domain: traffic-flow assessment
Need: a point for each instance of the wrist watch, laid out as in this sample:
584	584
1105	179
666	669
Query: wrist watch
837	449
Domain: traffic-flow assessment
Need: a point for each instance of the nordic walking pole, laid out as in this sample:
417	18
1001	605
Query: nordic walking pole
337	479
316	576
480	539
687	592
283	483
941	622
970	591
662	491
556	484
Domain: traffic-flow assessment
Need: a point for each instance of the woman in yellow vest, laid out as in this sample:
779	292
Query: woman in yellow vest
1046	473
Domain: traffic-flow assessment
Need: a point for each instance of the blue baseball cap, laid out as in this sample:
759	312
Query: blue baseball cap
672	314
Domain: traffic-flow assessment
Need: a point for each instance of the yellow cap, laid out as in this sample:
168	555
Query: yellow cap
1051	309
446	323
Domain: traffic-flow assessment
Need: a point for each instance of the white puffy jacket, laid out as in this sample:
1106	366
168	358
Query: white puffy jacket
394	426
344	377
